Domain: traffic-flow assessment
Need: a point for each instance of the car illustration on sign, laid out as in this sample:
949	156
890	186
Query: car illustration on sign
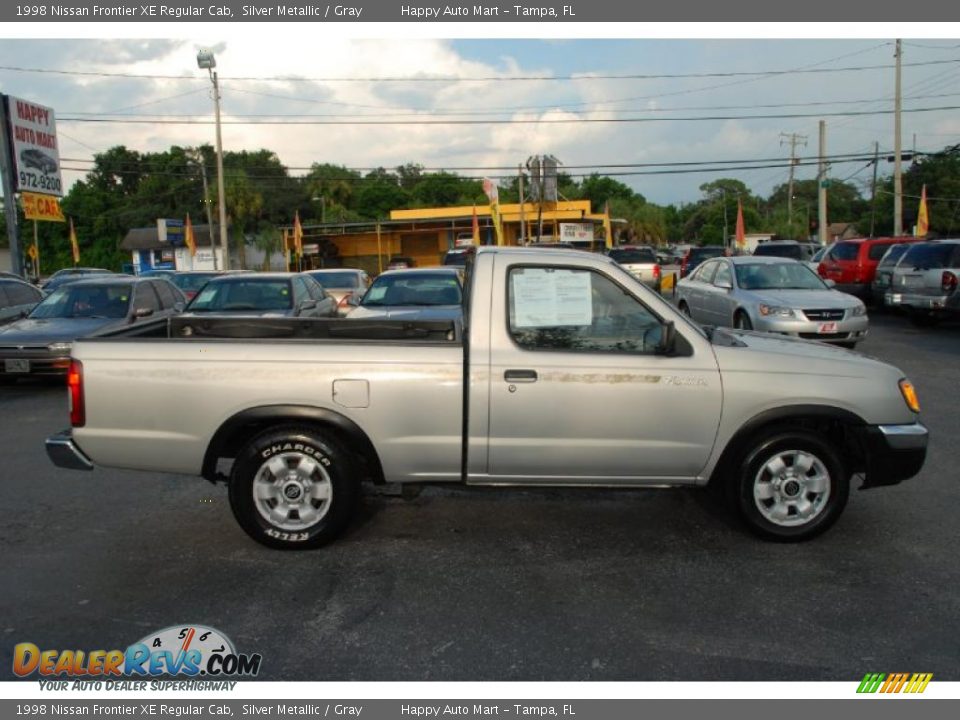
33	158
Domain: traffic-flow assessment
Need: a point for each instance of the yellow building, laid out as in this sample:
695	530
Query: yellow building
426	234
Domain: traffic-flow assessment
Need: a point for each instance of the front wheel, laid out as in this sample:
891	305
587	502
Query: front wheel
791	485
684	308
741	321
293	488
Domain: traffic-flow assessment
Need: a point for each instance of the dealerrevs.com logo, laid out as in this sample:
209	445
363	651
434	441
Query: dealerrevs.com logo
184	651
887	683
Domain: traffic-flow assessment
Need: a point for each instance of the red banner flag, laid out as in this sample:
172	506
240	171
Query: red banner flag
741	237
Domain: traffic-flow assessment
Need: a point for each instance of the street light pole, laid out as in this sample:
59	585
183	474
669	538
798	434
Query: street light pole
206	61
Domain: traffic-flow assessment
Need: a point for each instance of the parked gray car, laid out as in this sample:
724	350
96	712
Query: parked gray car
774	295
275	294
17	298
345	285
883	278
925	281
413	294
40	343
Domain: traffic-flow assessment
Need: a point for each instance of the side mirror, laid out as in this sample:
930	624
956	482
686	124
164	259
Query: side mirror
668	338
724	284
307	305
178	307
829	283
142	312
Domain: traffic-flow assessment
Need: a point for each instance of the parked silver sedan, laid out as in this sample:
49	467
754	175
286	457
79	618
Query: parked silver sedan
774	295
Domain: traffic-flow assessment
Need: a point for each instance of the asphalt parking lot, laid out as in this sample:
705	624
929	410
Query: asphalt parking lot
497	585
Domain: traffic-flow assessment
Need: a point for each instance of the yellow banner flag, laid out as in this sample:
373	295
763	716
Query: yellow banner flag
74	245
188	239
923	219
297	233
41	207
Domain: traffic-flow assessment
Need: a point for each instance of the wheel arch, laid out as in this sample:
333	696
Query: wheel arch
244	425
838	425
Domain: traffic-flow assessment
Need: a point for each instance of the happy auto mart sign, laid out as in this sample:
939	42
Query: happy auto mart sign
36	154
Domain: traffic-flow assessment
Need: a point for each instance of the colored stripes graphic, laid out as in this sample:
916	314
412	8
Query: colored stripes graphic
894	682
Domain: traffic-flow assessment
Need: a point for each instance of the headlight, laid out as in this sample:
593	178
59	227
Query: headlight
60	347
909	395
778	311
859	310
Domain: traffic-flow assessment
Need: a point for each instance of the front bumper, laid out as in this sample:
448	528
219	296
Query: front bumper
27	361
852	329
893	453
63	451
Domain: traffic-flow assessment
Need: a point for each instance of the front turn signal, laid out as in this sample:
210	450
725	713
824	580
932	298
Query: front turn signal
909	395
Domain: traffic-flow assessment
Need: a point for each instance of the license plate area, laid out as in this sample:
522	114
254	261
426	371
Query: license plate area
16	366
827	327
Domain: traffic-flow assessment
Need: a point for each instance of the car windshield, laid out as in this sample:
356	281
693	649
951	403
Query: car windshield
845	251
777	276
85	301
191	281
770	250
818	256
421	289
929	256
242	294
893	254
337	279
633	256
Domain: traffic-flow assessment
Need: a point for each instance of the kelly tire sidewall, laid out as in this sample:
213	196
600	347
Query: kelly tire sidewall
344	481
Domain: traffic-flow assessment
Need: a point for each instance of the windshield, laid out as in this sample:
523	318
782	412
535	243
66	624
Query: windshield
85	301
778	276
421	289
242	294
930	256
845	251
893	254
191	281
633	256
337	279
818	256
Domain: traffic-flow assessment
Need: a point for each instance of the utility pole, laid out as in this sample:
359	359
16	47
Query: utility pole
794	139
523	220
873	187
726	236
9	200
897	169
822	185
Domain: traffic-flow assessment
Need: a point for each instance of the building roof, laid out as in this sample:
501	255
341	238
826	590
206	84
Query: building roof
148	238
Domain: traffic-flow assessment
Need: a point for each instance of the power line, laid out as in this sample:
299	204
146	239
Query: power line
512	121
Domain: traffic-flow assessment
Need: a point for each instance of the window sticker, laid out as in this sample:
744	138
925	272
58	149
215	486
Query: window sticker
551	298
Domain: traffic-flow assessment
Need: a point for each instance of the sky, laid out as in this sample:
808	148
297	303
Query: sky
357	81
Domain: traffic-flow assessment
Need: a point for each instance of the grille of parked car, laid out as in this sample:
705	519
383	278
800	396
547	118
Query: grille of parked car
824	314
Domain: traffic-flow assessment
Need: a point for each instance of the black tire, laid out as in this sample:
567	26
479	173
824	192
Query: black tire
753	471
741	321
317	465
848	345
684	308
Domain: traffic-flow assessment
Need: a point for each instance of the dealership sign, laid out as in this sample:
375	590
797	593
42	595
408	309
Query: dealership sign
570	232
36	154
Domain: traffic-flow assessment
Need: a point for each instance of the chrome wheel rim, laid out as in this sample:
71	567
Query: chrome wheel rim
292	491
792	488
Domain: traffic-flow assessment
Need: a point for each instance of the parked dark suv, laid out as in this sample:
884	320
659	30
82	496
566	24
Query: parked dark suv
697	255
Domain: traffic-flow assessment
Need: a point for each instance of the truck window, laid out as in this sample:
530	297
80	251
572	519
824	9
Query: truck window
565	309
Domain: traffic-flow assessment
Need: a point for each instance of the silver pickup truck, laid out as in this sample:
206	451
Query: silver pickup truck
565	371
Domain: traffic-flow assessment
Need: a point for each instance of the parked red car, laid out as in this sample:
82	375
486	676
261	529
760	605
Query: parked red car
852	264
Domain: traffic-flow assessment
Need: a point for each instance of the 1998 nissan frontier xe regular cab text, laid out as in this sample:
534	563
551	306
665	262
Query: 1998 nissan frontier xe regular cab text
566	371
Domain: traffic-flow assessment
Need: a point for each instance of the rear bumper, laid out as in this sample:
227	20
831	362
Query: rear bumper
63	451
949	302
893	453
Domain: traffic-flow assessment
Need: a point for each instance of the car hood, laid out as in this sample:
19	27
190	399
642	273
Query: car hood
407	312
819	299
42	331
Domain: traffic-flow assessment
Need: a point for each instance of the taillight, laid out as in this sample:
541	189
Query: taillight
656	271
78	415
948	282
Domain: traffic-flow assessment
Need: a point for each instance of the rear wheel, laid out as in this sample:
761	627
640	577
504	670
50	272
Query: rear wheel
791	485
741	321
294	488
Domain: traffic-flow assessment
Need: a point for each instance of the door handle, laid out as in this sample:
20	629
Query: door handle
520	376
